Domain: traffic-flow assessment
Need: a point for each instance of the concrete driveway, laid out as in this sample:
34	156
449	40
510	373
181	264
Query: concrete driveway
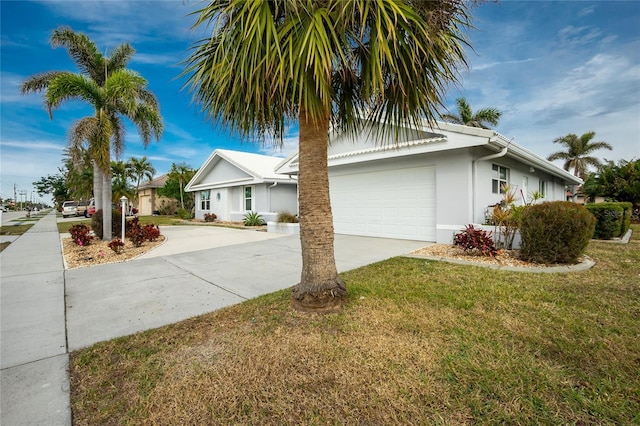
198	270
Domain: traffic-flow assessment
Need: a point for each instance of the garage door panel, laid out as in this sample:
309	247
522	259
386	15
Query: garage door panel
396	203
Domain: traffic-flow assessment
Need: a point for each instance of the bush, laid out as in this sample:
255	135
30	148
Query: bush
253	219
133	231
611	220
476	240
286	217
116	245
80	235
555	232
210	217
183	214
116	223
150	232
626	217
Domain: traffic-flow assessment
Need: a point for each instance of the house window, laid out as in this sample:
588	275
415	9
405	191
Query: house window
248	198
542	188
499	179
205	200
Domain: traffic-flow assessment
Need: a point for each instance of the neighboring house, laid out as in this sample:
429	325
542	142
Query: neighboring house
149	201
231	183
430	183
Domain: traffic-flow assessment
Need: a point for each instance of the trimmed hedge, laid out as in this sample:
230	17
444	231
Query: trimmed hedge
613	219
555	232
116	224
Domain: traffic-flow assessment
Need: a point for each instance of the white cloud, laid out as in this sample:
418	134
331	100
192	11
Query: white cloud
483	67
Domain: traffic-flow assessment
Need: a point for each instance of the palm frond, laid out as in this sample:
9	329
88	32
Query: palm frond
38	82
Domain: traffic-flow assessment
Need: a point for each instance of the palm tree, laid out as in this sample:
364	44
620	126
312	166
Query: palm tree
121	173
113	92
183	174
140	169
466	116
324	63
577	152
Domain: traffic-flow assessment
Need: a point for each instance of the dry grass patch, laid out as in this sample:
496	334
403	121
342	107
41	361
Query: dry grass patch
419	342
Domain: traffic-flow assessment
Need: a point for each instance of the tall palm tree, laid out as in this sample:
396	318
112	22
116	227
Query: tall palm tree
183	174
467	117
141	168
113	92
577	154
324	63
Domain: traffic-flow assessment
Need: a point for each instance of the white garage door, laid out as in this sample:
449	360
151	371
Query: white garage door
396	203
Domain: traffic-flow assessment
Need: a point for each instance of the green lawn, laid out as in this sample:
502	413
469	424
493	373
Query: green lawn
418	342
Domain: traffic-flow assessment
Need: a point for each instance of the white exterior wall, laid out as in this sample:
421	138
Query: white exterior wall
283	197
266	201
519	173
454	195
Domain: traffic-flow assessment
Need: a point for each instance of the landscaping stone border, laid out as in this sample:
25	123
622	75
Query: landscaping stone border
585	265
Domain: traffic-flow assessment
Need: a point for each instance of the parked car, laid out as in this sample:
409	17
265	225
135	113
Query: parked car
69	208
91	208
81	210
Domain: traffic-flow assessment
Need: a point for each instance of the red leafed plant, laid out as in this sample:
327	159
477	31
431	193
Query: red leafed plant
116	245
151	232
80	235
476	240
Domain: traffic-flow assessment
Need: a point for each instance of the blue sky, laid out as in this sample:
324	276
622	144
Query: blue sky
553	68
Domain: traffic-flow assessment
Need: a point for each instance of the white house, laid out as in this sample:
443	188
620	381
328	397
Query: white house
231	183
426	184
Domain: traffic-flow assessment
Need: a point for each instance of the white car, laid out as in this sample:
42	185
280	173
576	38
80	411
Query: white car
69	208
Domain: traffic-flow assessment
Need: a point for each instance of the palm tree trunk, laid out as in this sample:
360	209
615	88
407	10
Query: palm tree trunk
107	195
320	289
181	196
97	186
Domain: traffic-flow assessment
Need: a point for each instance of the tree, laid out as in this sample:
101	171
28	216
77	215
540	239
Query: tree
577	152
141	169
466	117
618	182
113	91
324	63
79	172
177	178
121	174
54	185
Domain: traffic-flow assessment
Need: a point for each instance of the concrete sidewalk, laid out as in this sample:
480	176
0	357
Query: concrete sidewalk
108	301
34	382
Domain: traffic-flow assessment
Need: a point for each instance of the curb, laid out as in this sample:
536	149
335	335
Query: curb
585	265
622	240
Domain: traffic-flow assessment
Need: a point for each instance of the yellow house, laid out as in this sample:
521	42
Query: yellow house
149	202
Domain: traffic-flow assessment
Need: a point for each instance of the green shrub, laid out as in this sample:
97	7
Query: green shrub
627	210
286	217
116	224
183	214
610	218
555	232
253	219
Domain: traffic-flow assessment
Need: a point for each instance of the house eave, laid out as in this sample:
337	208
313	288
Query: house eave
238	182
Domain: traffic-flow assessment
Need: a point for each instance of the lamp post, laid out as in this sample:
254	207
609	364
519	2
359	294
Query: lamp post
123	203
